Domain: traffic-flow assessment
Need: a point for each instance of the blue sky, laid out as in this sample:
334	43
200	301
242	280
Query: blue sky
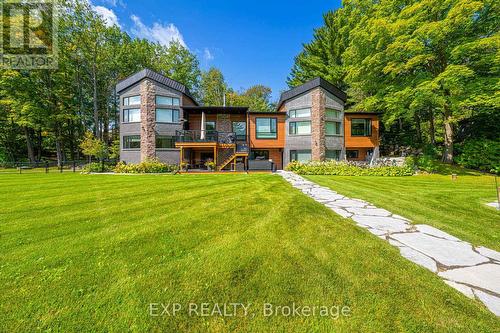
252	42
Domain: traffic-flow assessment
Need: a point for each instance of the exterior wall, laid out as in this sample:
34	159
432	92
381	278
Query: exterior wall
276	156
317	142
362	152
279	142
195	121
148	129
361	141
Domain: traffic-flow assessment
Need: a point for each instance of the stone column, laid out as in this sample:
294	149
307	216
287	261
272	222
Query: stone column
318	140
148	106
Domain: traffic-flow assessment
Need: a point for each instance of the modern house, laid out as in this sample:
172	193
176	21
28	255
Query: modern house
159	118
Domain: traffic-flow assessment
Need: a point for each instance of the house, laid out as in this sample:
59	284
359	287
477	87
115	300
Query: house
159	118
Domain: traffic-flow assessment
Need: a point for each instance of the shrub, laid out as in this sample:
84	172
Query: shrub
96	167
148	166
481	154
348	169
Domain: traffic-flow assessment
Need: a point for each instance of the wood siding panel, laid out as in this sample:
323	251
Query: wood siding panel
279	142
361	141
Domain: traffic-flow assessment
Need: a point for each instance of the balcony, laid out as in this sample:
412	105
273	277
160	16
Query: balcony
214	137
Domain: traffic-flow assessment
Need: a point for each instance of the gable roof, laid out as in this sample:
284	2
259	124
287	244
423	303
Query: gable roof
150	74
314	83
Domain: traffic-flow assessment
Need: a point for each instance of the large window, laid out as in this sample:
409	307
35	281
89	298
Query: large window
300	113
164	100
132	142
210	126
300	155
165	141
332	113
132	100
332	127
332	155
361	127
299	128
265	128
259	154
131	115
167	115
240	129
352	153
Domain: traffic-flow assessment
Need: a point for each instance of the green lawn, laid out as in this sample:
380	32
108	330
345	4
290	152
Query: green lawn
456	207
91	252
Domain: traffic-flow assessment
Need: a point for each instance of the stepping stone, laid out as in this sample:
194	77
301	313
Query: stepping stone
467	291
444	251
349	203
488	253
493	204
396	216
483	276
427	229
376	232
369	211
341	212
395	243
418	258
387	224
491	302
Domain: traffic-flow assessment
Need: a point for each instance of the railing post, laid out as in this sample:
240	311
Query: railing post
61	166
74	166
46	167
20	168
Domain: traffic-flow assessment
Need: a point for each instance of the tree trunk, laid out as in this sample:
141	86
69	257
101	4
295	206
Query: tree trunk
448	136
418	129
432	129
29	144
39	144
59	146
96	110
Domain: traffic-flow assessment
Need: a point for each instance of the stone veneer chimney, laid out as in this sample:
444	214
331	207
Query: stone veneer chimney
148	93
318	141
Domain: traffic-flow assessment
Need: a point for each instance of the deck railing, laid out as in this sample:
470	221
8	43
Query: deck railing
209	136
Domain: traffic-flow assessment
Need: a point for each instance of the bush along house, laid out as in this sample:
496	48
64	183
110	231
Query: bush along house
159	118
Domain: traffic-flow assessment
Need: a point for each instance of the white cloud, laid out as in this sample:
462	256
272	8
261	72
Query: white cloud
107	15
163	34
207	55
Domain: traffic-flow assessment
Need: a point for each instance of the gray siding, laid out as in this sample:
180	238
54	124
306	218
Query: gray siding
333	102
164	155
296	142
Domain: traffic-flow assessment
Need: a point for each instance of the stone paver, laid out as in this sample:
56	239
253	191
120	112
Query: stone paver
493	204
446	252
475	272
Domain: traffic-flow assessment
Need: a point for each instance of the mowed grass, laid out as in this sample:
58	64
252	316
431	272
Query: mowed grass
457	207
91	252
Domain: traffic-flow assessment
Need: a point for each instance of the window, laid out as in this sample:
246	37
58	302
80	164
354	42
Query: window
165	141
332	113
332	155
332	127
352	153
300	155
131	115
240	129
132	142
259	155
167	115
132	100
361	127
299	128
299	113
265	128
164	100
210	126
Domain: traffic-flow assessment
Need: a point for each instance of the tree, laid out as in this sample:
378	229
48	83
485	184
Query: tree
212	87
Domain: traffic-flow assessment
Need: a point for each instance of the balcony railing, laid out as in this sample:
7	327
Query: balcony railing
189	136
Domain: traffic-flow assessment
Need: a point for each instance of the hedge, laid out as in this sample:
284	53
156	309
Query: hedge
348	169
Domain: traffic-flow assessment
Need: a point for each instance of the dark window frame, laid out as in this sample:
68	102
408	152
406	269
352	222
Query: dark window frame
294	124
369	127
339	127
167	96
352	151
294	112
124	139
296	151
128	99
172	118
125	118
275	119
171	137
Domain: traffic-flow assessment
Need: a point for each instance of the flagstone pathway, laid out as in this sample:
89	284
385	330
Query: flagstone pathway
474	271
